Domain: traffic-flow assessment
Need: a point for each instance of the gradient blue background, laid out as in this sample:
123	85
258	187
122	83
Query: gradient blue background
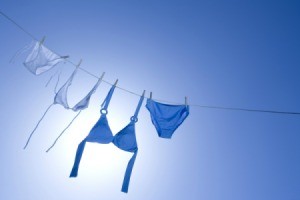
225	53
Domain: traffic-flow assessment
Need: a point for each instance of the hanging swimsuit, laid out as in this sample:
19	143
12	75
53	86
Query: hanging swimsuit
41	59
61	98
166	118
101	133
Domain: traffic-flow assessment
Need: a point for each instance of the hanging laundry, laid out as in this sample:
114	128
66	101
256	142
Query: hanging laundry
41	59
101	133
166	118
61	99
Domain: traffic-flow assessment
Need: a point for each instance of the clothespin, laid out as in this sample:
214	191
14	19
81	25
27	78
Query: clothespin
42	40
116	82
186	101
150	95
80	61
143	93
102	75
65	57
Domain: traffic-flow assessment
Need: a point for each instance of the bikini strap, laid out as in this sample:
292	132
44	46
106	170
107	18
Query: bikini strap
106	101
128	172
74	73
77	160
70	79
135	117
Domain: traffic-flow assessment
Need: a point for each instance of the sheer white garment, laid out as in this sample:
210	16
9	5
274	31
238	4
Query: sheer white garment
41	59
61	95
61	99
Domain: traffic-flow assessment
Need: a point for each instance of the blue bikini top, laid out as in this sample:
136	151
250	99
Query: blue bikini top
101	133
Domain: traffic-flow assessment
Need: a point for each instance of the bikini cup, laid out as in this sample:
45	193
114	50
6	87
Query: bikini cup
61	95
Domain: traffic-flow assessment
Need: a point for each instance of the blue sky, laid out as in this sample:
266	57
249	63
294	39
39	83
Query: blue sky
218	53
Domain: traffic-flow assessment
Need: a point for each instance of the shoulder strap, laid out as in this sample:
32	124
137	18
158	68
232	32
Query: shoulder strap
106	101
135	117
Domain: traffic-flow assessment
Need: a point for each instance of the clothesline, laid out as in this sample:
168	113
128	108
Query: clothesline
134	93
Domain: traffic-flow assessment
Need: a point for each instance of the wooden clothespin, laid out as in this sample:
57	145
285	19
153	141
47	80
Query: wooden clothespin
116	82
65	57
102	75
42	40
186	101
150	95
80	61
